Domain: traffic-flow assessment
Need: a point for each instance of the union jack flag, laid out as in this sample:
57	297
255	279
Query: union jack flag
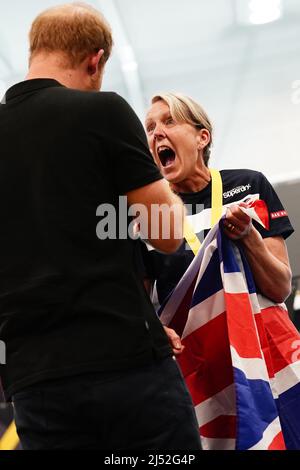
241	360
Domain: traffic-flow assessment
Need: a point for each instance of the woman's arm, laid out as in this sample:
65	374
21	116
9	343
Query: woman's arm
267	257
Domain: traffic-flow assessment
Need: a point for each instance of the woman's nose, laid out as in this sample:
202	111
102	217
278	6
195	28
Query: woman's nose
159	132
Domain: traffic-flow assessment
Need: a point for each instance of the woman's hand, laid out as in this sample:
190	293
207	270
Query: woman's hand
237	224
174	340
268	257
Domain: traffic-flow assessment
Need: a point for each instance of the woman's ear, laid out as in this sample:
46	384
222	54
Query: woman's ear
203	138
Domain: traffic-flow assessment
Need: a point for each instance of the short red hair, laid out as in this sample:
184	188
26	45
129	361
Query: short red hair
76	30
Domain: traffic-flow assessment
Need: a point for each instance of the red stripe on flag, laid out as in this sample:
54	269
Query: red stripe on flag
261	210
277	443
264	344
281	335
241	325
206	360
223	427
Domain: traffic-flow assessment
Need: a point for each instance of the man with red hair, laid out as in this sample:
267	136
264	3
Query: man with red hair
89	365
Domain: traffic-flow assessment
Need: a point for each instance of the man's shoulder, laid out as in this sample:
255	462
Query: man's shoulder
94	104
88	96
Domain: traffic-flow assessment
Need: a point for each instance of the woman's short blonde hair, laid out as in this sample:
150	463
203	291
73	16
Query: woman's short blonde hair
74	29
184	109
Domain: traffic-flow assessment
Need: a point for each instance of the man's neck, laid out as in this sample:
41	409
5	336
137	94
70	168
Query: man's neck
51	68
195	183
64	78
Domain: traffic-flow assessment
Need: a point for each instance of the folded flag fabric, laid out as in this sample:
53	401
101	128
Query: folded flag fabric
241	360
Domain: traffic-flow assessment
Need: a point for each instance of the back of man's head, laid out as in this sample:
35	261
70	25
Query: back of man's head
74	30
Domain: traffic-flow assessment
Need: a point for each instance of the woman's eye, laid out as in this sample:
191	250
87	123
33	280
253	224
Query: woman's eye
170	121
150	128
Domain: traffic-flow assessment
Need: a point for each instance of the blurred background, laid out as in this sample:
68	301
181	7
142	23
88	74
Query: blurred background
239	58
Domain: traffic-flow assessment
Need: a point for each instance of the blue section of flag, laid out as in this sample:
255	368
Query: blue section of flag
288	405
225	246
248	273
230	261
256	409
207	288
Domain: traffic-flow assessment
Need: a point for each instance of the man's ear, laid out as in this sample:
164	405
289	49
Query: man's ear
94	62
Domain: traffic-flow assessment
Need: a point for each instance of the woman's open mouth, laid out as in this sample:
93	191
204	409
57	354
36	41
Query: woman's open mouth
166	155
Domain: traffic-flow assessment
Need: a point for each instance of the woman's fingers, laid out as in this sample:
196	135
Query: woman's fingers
174	340
237	223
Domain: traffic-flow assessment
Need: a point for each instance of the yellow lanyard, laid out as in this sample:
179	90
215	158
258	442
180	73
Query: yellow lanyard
216	211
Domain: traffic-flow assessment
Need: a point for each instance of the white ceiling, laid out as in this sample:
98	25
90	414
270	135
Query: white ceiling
242	74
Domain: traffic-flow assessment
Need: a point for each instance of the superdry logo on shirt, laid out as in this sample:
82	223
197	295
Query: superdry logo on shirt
237	190
278	214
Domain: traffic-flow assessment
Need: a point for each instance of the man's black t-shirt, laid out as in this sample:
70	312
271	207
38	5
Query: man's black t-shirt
238	186
69	302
